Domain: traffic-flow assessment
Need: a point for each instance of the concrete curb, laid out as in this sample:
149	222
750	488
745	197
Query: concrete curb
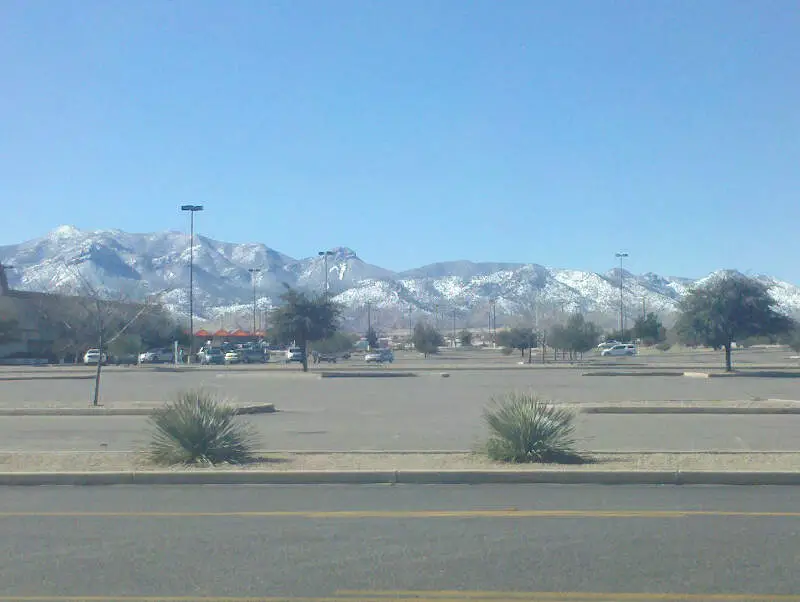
365	374
416	477
687	410
631	373
262	408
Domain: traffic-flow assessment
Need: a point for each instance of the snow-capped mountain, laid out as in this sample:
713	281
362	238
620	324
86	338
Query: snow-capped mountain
138	265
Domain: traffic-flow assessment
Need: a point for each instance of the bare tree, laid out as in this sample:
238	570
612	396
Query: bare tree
107	316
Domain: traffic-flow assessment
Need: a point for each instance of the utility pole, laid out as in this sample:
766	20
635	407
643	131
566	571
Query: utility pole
253	272
325	255
4	279
192	209
621	256
369	323
454	329
644	308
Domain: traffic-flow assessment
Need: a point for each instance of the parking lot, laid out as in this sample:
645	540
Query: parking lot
424	411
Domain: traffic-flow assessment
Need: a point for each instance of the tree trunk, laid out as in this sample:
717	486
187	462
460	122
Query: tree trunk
728	366
530	355
305	357
522	352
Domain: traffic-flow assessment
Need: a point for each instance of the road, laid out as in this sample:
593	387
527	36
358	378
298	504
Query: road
315	541
393	429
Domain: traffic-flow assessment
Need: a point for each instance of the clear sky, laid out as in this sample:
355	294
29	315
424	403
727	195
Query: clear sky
414	131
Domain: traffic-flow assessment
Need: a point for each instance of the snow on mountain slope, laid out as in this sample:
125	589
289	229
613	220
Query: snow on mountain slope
158	263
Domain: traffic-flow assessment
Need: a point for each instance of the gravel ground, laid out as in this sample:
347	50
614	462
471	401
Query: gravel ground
109	461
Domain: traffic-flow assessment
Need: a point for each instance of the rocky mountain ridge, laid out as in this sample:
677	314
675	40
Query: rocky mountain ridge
139	265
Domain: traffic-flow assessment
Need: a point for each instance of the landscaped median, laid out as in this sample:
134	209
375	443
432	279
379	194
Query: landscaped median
126	409
750	406
742	468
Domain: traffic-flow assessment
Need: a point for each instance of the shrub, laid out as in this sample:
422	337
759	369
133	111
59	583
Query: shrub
198	428
664	346
526	428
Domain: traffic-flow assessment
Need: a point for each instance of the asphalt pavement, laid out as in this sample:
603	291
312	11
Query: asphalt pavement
399	542
373	429
464	389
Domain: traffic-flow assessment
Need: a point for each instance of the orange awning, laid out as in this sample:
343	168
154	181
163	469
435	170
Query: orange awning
202	333
222	333
240	333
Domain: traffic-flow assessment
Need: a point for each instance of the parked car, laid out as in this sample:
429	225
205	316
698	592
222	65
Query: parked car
92	356
379	356
607	345
621	349
330	358
295	354
253	355
233	357
157	356
211	355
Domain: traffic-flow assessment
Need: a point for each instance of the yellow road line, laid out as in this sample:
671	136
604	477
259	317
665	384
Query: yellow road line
432	596
495	596
412	514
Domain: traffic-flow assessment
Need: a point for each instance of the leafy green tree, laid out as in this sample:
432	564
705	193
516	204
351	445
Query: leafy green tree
649	329
426	339
338	342
582	336
303	319
793	340
9	331
726	309
372	338
518	338
577	336
620	335
465	338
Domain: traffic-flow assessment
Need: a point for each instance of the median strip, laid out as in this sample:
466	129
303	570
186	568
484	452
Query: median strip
104	468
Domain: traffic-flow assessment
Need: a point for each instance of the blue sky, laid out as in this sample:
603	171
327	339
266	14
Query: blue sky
414	131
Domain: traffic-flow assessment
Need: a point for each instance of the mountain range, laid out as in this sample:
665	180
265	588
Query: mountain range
137	265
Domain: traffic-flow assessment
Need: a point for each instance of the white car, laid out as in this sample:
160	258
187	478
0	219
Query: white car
154	356
232	357
621	349
294	354
92	356
379	356
607	345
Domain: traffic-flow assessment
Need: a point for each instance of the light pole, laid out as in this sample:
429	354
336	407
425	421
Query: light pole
192	209
621	256
253	272
325	255
4	278
454	329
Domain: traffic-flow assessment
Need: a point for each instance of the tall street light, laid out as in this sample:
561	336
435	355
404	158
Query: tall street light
253	272
192	209
325	255
621	256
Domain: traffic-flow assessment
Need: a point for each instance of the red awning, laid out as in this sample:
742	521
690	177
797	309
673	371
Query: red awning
202	333
240	333
222	333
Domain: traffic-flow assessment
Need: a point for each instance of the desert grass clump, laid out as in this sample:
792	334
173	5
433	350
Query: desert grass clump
199	428
526	428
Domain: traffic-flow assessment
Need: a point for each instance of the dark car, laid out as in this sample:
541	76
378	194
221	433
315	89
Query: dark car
253	355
